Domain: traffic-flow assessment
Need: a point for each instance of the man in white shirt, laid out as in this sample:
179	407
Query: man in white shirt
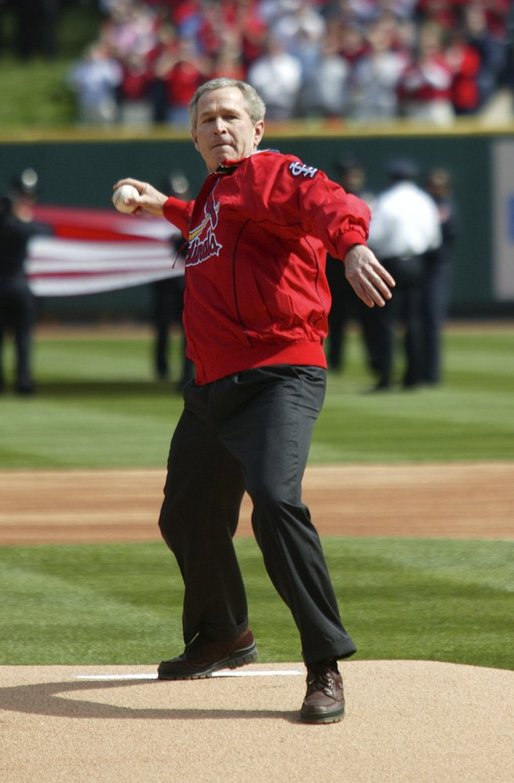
404	226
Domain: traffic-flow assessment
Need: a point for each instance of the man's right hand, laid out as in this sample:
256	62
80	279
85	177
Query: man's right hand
150	199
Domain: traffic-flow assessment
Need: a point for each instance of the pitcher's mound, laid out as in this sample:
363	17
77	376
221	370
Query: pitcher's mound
406	722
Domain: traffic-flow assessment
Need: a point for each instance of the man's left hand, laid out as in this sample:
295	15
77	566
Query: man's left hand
369	279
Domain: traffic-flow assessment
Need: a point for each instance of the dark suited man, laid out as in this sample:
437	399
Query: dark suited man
168	299
17	304
437	276
346	307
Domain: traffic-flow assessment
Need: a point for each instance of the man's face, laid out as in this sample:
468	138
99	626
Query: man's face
224	130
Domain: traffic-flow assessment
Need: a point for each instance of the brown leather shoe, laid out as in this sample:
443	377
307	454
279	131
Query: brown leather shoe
203	656
324	700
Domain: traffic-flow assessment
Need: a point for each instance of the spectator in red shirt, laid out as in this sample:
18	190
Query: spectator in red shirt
164	52
464	62
134	90
484	33
424	88
183	73
444	12
227	62
251	30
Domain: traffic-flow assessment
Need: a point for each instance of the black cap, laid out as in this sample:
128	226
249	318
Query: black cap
402	168
177	184
343	165
25	184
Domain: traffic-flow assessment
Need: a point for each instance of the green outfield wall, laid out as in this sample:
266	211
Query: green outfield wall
79	171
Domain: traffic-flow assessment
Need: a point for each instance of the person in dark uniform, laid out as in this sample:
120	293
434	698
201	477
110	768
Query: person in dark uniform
168	299
345	305
17	304
437	276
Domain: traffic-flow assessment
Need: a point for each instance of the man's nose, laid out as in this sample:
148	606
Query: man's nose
219	125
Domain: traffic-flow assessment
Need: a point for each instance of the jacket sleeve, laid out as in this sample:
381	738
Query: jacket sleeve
179	213
295	195
338	218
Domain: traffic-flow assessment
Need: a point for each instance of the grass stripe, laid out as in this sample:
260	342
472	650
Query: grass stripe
121	603
99	407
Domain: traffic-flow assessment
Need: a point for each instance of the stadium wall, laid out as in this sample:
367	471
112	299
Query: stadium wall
79	171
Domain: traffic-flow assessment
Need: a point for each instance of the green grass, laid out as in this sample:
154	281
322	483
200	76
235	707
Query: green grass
469	417
98	406
34	93
401	599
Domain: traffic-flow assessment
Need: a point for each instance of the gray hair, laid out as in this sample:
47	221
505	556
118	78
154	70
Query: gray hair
255	106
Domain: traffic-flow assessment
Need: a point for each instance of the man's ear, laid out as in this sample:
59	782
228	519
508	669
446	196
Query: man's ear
194	137
258	132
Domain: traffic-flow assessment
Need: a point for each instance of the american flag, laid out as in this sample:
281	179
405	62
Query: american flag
93	250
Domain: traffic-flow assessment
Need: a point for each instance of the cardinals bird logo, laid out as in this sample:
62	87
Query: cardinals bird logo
202	239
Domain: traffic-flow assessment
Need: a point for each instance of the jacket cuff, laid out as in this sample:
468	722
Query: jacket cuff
175	211
349	239
169	209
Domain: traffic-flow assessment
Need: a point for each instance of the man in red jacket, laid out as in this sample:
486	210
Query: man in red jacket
255	316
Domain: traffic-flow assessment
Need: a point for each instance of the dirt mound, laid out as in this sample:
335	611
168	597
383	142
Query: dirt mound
470	500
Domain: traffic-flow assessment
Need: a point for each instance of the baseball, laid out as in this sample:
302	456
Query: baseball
120	196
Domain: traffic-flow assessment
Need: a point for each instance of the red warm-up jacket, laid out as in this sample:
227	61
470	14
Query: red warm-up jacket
256	290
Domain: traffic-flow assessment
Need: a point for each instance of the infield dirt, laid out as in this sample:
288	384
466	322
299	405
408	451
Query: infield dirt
456	500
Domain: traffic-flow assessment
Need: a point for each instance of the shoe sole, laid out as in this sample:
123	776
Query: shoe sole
332	717
239	658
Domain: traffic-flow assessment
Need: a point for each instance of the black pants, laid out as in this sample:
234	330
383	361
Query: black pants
434	308
404	308
17	315
346	306
167	311
251	431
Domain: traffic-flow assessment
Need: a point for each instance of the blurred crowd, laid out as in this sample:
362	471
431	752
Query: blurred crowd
359	60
